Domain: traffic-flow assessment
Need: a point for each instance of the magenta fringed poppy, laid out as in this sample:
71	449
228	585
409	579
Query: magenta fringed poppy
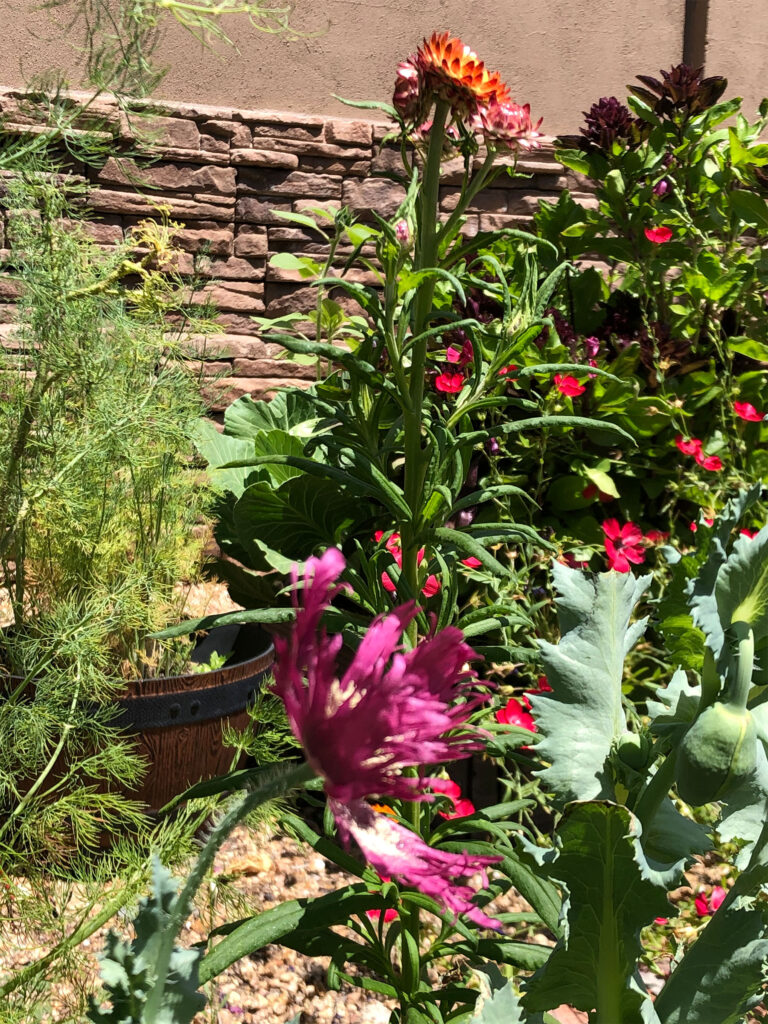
391	709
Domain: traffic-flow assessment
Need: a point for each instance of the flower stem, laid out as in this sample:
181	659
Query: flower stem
425	257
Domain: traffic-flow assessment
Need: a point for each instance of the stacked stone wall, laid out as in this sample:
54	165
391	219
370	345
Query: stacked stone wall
225	174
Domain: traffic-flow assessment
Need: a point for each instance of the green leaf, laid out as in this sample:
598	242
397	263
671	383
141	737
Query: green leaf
265	615
741	590
469	546
296	411
293	923
583	716
295	519
749	347
751	208
218	449
602	481
599	860
300	218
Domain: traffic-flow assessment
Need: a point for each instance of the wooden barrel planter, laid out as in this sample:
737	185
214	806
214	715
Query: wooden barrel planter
178	721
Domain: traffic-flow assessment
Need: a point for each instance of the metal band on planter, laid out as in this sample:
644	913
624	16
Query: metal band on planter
162	710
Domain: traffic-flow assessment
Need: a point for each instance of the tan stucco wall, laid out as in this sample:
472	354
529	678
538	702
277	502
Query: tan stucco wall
558	55
737	46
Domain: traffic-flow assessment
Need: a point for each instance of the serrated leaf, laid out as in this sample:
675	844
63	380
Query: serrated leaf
218	449
612	894
502	1007
583	716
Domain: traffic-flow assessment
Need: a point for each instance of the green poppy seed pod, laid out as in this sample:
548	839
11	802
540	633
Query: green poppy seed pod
633	750
718	752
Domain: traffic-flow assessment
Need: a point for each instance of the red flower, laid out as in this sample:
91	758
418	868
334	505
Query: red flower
623	544
661	920
708	905
568	386
710	462
707	522
658	235
449	383
656	537
513	713
461	809
690	447
508	371
569	559
749	533
431	586
471	562
542	686
592	491
747	411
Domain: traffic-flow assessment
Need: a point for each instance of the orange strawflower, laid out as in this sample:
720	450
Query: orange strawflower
457	75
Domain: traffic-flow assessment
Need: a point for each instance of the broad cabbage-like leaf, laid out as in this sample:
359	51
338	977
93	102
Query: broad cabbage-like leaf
583	717
612	894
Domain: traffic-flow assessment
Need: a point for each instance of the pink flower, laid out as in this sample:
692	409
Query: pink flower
747	411
389	847
688	447
402	232
508	125
461	356
708	905
449	383
568	386
656	920
513	713
658	235
592	348
471	562
661	187
623	544
391	709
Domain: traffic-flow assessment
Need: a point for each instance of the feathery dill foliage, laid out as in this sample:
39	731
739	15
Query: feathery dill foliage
102	512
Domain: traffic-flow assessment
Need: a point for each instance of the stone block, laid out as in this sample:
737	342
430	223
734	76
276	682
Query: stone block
133	204
282	298
231	131
106	232
309	205
249	210
263	158
179	132
387	160
251	242
233	269
496	221
311	147
168	176
294	183
344	168
355	133
374	194
211	145
272	368
492	200
230	346
221	393
216	241
235	296
190	156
